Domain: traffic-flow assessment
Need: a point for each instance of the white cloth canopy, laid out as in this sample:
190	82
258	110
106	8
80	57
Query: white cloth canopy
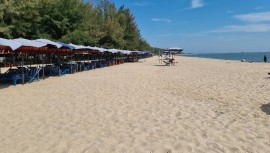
10	43
113	50
49	42
30	43
99	49
174	49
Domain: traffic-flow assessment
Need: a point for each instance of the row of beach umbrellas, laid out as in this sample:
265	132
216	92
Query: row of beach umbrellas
20	43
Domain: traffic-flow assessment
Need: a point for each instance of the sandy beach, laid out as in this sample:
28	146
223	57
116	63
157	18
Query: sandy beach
199	105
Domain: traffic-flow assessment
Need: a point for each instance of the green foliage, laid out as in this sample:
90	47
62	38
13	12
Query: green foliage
95	23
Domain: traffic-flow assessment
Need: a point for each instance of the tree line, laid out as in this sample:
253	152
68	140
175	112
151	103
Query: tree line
97	23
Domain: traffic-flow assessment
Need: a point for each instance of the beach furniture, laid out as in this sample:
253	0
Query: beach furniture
19	74
169	62
54	70
11	75
101	64
34	73
72	68
82	67
89	65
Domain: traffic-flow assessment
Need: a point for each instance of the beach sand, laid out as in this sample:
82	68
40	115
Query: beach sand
199	105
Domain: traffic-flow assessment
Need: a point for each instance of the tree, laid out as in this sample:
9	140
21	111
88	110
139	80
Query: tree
95	23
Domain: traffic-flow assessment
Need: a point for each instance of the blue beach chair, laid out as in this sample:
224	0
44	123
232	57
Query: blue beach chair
90	65
12	75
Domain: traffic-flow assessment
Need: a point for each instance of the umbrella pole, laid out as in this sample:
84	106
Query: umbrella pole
23	67
42	66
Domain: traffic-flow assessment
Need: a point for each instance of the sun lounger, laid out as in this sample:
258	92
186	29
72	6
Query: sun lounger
71	68
81	66
99	64
169	62
53	70
12	75
90	65
33	74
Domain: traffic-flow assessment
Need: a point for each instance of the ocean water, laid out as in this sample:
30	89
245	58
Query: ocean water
248	56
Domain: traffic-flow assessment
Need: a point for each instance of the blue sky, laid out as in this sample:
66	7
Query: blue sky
203	25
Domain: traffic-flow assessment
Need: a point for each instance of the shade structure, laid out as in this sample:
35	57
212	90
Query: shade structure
64	45
84	49
175	49
145	52
127	52
30	43
10	43
49	42
76	46
113	50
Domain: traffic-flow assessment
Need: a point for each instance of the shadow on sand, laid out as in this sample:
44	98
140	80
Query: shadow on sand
266	78
2	86
160	65
9	84
266	108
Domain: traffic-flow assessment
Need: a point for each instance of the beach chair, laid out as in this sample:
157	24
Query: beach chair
99	64
53	70
56	70
90	65
33	74
105	63
167	63
47	70
12	75
69	68
81	66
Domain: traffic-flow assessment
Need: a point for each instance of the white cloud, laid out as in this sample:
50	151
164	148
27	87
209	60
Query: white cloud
197	3
161	20
244	28
254	17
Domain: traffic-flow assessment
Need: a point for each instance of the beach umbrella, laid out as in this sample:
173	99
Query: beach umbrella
64	45
113	50
99	49
30	43
49	42
127	52
145	52
10	43
174	49
76	46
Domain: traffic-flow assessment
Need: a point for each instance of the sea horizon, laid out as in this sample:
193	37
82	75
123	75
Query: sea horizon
243	56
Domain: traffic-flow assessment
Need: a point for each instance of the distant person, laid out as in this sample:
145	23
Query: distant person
171	60
264	58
